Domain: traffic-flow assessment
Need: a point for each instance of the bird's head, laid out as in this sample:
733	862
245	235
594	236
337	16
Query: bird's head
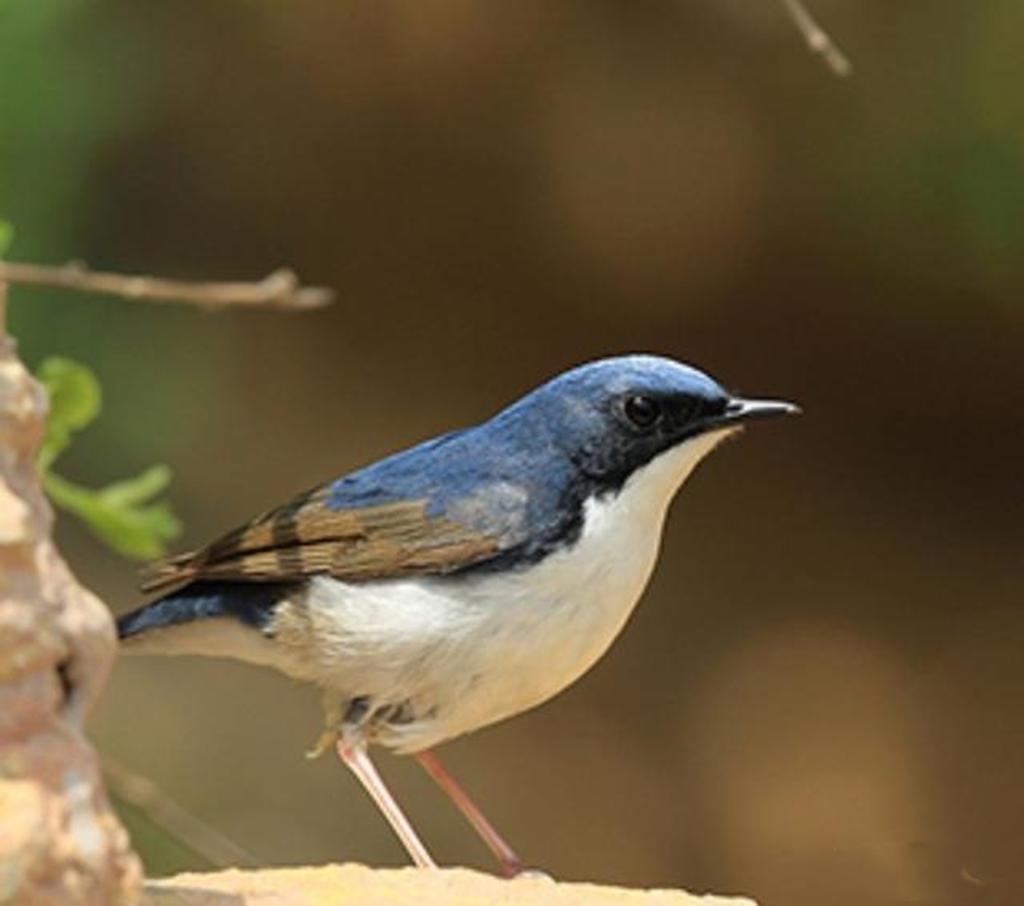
619	416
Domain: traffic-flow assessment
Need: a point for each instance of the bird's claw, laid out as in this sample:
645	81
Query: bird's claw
332	726
327	740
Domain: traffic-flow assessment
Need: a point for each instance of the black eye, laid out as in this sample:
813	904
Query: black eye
642	411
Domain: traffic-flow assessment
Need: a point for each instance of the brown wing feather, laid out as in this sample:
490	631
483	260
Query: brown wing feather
305	537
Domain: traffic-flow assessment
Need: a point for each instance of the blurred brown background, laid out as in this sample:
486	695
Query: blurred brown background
820	699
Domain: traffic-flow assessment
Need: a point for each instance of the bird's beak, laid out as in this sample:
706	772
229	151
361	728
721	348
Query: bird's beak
740	410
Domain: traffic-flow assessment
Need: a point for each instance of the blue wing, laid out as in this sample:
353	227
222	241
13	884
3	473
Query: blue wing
449	504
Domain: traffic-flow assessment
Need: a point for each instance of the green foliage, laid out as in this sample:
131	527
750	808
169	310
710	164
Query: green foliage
6	237
124	514
75	402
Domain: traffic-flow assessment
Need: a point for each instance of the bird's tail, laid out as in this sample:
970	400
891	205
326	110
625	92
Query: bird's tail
227	619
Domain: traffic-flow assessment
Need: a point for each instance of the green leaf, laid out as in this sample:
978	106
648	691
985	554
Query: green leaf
119	513
137	490
75	402
123	514
6	237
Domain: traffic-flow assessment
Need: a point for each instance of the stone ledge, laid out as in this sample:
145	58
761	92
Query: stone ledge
357	885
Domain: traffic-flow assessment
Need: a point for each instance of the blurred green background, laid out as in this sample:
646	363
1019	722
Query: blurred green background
820	698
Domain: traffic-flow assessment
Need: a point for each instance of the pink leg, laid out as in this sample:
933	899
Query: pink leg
511	864
358	761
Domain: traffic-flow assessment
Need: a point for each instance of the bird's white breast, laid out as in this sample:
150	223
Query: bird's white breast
465	652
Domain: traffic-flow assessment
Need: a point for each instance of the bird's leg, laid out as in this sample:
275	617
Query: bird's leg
333	715
511	864
353	753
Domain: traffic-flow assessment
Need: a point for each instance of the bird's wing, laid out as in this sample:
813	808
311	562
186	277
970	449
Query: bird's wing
313	535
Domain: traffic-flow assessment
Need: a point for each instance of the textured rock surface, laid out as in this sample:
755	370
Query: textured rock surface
356	885
59	841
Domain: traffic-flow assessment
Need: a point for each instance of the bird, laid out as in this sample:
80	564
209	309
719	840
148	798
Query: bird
461	581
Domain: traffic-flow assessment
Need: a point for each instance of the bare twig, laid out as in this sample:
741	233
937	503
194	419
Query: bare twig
210	843
817	39
280	290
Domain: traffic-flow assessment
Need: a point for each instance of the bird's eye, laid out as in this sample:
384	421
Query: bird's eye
642	411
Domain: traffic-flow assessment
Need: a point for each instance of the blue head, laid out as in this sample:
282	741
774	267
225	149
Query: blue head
613	416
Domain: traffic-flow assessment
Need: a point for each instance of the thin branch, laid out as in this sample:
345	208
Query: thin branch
280	290
817	39
214	846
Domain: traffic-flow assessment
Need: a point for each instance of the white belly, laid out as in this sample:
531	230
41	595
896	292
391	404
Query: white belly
468	651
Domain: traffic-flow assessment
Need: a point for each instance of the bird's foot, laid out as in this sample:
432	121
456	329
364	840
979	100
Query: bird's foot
324	743
333	713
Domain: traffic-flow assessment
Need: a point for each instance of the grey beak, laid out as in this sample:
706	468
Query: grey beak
741	410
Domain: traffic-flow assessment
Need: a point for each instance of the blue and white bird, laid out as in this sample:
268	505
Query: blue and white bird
461	581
